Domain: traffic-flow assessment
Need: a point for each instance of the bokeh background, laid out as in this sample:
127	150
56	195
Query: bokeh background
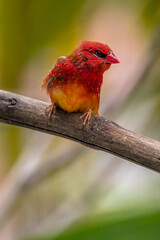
52	188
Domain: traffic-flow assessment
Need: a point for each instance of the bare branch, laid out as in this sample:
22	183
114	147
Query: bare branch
99	134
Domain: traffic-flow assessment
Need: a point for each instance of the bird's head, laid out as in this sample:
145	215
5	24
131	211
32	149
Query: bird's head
94	55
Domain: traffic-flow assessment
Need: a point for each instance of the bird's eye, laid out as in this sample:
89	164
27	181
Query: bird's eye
100	54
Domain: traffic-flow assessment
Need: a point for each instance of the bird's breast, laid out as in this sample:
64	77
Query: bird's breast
74	97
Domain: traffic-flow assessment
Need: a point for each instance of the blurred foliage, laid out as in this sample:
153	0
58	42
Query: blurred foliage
141	227
29	25
33	33
151	13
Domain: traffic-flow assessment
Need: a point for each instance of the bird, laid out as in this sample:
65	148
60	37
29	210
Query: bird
74	83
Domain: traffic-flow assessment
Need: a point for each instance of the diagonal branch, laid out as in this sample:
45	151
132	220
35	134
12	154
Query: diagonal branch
99	134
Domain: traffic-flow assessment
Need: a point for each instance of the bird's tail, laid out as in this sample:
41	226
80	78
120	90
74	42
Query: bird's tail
47	81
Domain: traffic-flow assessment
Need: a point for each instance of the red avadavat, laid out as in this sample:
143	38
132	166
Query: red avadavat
74	83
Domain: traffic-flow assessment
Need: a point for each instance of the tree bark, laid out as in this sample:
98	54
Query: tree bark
99	133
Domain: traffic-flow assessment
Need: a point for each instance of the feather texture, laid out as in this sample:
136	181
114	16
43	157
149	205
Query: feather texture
74	83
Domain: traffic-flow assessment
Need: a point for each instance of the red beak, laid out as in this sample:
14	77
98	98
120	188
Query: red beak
111	58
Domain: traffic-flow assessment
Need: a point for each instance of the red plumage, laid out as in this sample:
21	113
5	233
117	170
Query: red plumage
74	83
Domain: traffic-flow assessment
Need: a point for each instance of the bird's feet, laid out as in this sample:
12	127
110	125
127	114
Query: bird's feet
86	116
52	110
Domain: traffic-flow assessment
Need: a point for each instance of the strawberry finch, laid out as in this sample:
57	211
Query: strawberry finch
74	83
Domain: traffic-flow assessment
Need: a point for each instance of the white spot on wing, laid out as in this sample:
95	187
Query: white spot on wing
62	57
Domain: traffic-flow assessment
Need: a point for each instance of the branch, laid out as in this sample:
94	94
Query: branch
99	133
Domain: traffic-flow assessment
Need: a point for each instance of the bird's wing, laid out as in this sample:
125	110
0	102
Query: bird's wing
56	71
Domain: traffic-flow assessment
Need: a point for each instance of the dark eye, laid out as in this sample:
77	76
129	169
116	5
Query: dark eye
100	54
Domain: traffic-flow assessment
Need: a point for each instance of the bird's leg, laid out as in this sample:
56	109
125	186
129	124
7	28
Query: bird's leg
43	112
53	107
48	107
86	116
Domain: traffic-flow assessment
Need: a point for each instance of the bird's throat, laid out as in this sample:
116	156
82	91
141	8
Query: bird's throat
92	82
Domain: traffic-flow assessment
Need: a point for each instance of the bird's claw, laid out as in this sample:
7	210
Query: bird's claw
53	107
86	116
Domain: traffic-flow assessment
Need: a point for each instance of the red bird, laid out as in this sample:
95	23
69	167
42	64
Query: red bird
74	83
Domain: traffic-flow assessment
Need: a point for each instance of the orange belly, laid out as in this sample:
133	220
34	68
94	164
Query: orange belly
74	98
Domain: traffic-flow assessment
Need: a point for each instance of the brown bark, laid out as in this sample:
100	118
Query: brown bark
99	133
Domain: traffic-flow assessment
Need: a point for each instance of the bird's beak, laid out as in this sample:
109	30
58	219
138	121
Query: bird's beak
111	58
